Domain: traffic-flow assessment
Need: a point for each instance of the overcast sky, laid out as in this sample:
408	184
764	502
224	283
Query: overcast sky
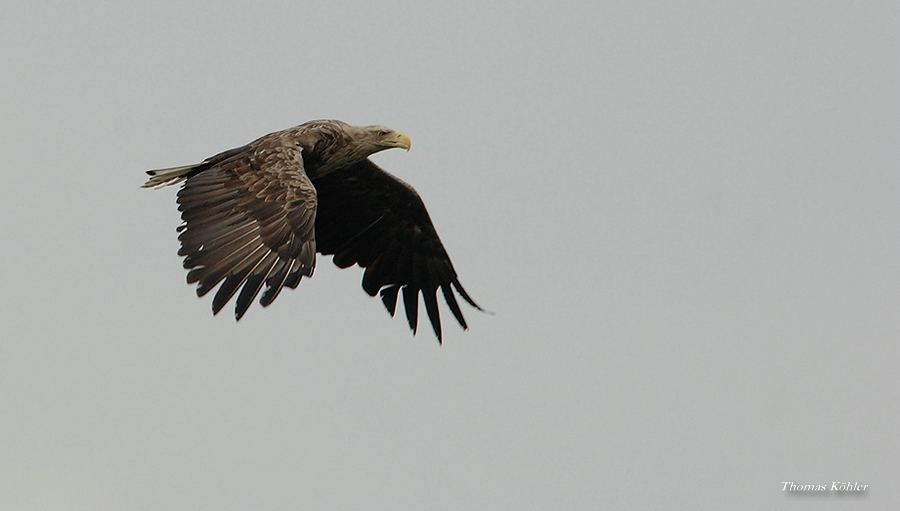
684	215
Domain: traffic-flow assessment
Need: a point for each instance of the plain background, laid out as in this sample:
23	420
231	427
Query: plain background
684	215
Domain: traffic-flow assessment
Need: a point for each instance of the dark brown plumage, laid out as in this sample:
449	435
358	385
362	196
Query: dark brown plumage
255	216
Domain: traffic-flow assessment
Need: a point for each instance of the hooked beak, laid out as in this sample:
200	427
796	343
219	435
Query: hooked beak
397	139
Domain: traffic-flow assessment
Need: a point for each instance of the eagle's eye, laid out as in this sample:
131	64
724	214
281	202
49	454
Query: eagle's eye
382	133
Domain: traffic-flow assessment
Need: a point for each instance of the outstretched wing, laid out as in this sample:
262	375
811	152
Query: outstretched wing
370	218
249	221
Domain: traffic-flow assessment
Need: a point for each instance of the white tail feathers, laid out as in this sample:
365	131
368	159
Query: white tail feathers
166	177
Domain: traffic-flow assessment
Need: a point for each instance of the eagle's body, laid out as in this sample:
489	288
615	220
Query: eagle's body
255	216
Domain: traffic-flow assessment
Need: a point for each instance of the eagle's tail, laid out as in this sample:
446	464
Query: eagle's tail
170	176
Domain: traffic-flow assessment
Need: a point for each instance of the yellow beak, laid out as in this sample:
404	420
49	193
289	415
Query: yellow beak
397	139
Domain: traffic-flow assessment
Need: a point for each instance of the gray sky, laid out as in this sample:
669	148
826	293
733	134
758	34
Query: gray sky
684	214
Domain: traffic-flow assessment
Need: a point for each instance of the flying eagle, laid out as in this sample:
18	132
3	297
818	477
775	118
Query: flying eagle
256	215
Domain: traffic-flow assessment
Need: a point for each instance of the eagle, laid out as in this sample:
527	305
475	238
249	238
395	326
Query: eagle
255	216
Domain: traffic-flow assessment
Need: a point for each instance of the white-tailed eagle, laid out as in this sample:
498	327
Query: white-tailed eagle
255	216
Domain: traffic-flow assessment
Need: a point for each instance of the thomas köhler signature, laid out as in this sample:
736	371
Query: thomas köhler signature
835	486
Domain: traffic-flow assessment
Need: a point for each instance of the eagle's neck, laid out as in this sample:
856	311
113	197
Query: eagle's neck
337	156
